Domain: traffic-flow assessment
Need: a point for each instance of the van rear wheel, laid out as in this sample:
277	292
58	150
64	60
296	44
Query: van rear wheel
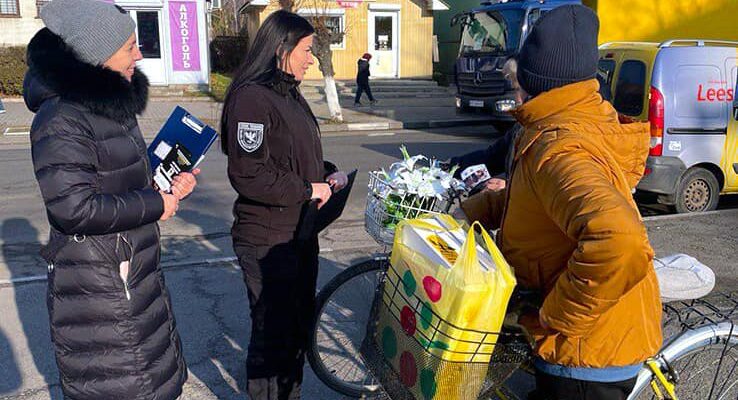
698	190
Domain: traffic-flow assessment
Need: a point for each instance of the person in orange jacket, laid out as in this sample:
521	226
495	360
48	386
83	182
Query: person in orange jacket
568	222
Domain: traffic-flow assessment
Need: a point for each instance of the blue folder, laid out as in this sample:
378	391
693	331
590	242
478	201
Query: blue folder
180	146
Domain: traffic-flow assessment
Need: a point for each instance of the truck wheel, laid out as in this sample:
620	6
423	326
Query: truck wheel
698	190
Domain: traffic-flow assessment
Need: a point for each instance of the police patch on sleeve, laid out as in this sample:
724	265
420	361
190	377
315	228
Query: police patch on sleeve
250	136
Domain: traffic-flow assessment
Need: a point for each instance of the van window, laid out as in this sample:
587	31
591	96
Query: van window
631	88
605	70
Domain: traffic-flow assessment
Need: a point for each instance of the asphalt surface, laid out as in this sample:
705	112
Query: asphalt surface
209	298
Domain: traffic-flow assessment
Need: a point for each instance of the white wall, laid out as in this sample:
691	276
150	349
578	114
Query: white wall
19	31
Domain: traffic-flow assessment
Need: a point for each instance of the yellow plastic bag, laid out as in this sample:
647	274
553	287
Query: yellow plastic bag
439	321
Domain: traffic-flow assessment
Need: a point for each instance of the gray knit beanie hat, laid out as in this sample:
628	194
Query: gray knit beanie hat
93	29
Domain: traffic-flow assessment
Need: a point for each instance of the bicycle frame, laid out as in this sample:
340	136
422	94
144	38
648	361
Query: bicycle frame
682	344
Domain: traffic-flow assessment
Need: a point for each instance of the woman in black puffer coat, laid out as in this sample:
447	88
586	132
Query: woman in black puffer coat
111	323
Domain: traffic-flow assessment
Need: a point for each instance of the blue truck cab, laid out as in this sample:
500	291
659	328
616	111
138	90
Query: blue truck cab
491	34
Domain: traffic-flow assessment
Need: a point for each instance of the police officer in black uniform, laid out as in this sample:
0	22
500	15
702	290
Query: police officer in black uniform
275	164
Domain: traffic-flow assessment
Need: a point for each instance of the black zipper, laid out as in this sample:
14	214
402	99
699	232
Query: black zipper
130	265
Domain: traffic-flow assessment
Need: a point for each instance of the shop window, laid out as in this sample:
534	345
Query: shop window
336	25
383	33
630	92
147	23
9	8
332	19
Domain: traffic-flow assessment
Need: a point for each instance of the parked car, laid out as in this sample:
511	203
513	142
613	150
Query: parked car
686	89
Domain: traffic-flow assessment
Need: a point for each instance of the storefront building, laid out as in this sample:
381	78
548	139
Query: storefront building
398	34
172	36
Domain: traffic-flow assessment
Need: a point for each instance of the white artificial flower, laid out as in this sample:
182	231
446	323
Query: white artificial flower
417	175
427	189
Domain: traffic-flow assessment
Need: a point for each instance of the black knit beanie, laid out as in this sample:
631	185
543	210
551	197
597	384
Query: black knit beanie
560	50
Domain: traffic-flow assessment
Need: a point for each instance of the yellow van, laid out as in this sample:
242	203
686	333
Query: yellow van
686	89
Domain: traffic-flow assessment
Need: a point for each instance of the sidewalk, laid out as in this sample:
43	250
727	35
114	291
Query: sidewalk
392	112
211	309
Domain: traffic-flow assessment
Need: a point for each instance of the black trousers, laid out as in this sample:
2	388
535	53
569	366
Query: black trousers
550	387
363	87
281	284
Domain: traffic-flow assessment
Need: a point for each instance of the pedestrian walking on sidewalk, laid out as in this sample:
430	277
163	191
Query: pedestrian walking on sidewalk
569	224
111	318
362	80
275	164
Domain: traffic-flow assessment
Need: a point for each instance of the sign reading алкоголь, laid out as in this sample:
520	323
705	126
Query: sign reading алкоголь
185	40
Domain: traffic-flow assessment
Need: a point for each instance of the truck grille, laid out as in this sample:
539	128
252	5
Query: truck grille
492	83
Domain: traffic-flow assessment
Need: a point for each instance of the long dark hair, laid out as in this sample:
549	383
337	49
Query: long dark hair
276	39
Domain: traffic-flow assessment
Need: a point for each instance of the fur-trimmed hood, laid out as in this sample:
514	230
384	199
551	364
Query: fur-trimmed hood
55	71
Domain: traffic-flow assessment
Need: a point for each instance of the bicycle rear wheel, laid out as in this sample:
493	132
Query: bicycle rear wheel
343	307
707	370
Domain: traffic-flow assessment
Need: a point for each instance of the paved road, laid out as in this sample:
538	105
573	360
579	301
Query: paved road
209	299
207	213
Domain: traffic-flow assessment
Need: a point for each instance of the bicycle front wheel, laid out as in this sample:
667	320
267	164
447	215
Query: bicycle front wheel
704	364
343	308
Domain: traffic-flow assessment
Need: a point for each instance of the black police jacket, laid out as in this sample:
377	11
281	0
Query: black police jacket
274	153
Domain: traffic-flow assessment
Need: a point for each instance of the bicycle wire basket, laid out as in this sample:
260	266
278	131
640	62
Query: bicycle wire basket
407	362
386	206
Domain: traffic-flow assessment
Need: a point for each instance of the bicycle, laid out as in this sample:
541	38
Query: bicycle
699	361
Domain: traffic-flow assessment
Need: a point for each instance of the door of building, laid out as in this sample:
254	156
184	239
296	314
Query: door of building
149	34
384	43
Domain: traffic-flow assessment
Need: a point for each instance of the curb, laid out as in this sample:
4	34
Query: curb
361	126
389	125
184	99
655	218
333	129
447	123
386	96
